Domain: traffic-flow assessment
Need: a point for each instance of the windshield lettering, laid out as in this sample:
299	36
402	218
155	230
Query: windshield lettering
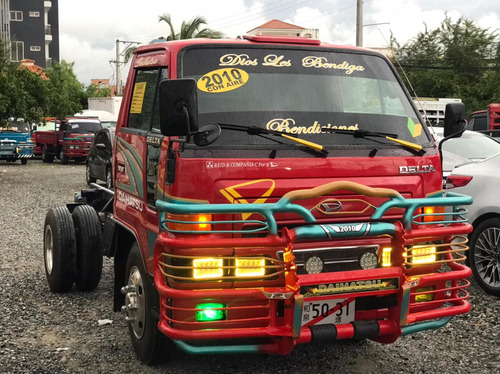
322	62
287	125
237	60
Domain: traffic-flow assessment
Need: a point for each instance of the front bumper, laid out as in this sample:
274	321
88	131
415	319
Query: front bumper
271	311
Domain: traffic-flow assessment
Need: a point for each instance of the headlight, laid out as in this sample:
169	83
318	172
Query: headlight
204	268
421	255
250	267
368	260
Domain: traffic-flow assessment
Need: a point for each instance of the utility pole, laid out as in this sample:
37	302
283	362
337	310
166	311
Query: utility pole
359	24
118	63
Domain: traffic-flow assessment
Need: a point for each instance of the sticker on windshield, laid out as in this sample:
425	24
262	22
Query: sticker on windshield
222	80
138	98
415	128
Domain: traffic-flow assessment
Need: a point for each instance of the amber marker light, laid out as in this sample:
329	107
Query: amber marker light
386	256
433	213
250	267
189	222
422	255
205	268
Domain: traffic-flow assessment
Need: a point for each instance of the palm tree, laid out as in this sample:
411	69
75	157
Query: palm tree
189	30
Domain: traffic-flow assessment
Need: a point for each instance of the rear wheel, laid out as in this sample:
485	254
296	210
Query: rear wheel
143	331
484	255
88	174
88	247
59	249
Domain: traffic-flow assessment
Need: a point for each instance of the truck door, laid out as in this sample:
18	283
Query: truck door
137	157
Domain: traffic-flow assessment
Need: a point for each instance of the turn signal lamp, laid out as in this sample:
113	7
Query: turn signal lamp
250	267
421	255
425	296
210	312
433	213
205	268
386	257
189	222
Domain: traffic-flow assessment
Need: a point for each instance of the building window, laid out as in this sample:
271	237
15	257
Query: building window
16	15
34	14
35	48
17	51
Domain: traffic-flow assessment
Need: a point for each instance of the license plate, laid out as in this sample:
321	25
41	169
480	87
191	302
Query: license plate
336	311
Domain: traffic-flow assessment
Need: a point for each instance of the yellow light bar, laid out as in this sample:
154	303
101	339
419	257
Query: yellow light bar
207	268
424	296
189	222
386	257
250	267
422	255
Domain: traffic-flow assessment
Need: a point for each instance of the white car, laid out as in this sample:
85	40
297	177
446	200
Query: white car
480	178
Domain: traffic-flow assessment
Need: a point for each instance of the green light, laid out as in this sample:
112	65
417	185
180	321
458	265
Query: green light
209	313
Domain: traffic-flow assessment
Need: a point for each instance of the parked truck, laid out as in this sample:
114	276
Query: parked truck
69	139
486	121
268	192
15	142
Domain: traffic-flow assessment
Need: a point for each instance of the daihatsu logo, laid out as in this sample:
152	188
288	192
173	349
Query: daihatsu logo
421	169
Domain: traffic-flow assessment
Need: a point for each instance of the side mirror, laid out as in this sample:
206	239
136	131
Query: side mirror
454	120
178	107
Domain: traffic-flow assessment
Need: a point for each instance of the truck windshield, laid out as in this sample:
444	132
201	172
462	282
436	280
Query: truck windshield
299	91
84	127
15	127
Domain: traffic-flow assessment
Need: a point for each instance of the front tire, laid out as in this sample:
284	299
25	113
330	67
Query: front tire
88	248
484	255
59	249
88	174
24	161
64	159
45	156
143	331
109	178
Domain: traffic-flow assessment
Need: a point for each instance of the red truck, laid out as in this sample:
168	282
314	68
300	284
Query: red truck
268	192
67	139
487	121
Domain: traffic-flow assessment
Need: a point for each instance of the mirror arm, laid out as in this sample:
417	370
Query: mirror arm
172	159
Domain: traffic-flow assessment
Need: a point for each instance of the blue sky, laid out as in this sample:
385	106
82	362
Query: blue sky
88	29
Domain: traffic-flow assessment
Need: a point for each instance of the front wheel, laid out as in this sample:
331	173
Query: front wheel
88	174
64	159
484	255
59	249
143	331
24	161
45	156
109	178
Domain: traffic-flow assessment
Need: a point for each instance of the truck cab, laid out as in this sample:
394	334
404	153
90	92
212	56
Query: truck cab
15	142
274	189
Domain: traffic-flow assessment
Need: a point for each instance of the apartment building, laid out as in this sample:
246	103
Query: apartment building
31	27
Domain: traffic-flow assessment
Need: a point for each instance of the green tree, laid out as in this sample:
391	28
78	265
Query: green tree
189	30
457	59
66	93
94	90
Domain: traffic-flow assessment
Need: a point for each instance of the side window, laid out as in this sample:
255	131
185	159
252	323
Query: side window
156	111
481	123
143	99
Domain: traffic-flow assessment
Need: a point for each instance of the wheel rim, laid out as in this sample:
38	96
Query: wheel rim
136	302
49	250
487	256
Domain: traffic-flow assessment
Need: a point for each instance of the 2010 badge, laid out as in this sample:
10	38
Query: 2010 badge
222	80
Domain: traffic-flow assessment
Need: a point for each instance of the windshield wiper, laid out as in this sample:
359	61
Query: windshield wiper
254	130
371	134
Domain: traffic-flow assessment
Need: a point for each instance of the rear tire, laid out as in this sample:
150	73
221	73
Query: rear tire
144	334
59	249
484	255
88	247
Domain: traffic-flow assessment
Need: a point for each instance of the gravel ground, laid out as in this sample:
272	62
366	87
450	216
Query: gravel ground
42	332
